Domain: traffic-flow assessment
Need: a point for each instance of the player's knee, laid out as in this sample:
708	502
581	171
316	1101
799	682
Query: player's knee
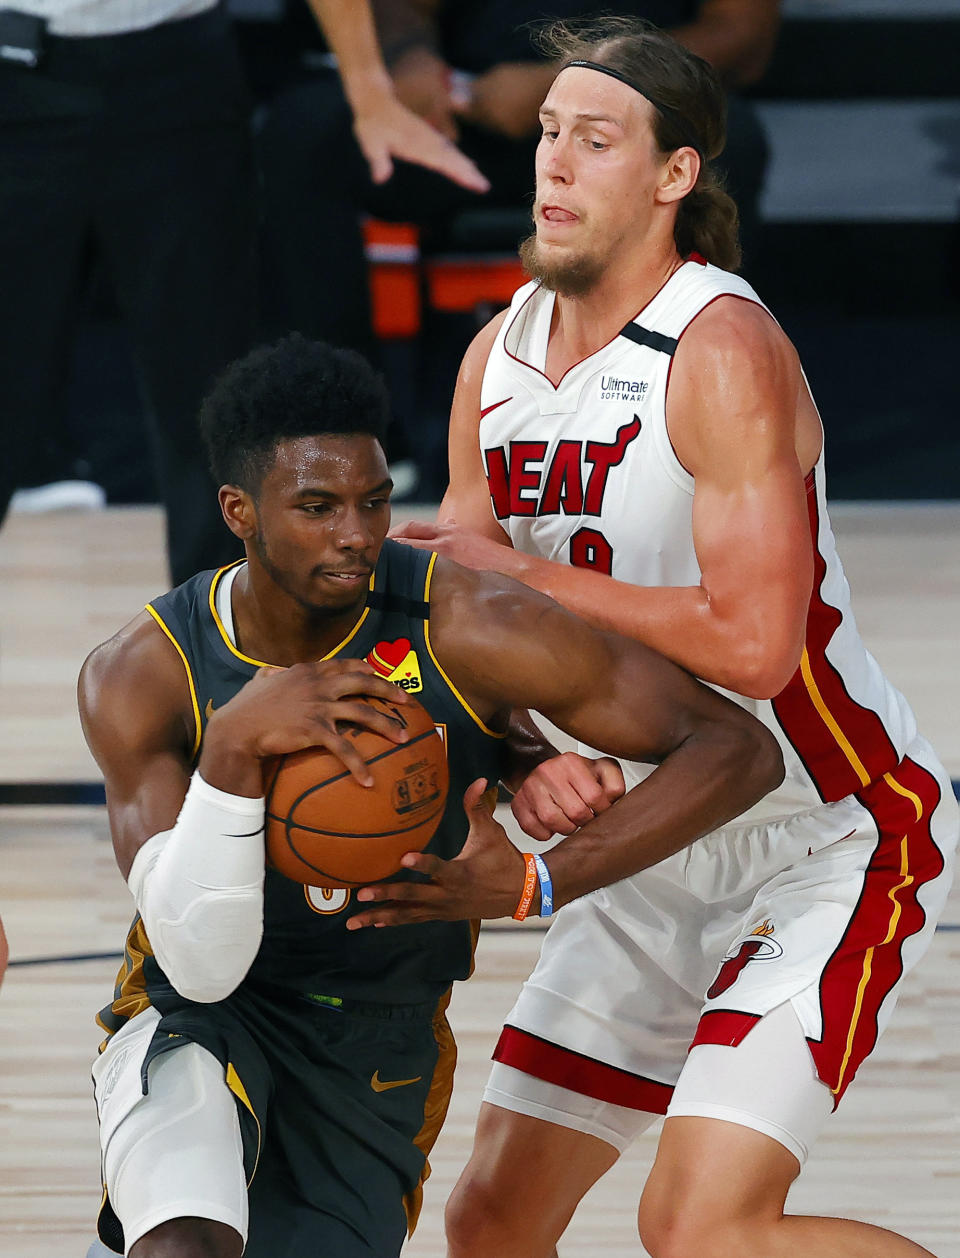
475	1218
668	1231
189	1238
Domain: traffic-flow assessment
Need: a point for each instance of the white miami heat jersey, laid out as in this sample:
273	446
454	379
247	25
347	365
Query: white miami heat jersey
584	473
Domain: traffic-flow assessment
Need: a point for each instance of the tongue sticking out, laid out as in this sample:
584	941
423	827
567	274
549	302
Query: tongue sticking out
553	214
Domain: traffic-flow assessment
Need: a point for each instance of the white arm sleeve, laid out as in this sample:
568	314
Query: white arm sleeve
199	889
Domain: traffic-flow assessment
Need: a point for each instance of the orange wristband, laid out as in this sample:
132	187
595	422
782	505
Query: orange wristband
529	887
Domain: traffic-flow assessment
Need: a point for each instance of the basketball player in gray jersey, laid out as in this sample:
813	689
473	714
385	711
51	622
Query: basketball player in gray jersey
273	1078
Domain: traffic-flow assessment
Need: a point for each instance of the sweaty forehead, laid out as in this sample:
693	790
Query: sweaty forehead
579	91
335	461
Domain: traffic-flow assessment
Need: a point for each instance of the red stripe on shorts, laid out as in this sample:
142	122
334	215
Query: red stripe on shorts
868	962
863	751
724	1026
568	1069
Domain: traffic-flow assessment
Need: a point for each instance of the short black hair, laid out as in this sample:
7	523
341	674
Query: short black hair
293	388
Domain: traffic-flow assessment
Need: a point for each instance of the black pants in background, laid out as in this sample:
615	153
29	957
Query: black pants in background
142	142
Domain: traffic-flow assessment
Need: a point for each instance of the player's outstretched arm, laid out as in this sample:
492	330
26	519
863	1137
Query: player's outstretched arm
510	646
190	844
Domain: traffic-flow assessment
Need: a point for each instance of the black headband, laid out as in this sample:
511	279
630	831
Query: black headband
671	115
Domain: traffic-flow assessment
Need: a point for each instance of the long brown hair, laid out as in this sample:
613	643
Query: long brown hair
707	219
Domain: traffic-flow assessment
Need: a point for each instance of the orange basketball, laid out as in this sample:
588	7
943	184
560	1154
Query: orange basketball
326	830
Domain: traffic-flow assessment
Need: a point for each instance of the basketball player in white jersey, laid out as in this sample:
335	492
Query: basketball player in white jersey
661	473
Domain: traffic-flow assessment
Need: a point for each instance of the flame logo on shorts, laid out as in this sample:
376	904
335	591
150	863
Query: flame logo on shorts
759	945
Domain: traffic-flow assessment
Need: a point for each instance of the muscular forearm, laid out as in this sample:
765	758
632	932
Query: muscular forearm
681	622
711	778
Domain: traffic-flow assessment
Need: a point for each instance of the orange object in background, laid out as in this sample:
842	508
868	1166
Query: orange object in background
455	283
393	257
467	282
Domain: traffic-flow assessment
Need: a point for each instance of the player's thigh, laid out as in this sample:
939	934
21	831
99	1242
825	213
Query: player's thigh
173	1151
738	1129
767	1082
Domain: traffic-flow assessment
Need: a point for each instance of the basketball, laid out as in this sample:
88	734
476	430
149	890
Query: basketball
326	830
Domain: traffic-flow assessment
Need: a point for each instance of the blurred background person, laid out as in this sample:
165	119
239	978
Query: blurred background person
125	135
124	126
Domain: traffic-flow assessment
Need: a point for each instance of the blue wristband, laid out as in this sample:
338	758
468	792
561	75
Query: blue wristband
546	887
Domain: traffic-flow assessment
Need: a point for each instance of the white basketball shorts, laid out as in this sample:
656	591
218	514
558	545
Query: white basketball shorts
825	911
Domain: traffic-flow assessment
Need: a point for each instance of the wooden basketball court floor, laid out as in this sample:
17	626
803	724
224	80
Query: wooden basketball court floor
891	1154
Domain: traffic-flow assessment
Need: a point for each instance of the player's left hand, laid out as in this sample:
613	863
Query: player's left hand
485	880
463	546
565	792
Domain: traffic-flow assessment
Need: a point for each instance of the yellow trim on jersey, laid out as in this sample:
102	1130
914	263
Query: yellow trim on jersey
212	601
240	1092
193	690
426	637
247	659
830	721
902	790
906	878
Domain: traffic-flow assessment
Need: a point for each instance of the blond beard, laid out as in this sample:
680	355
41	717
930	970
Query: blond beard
568	277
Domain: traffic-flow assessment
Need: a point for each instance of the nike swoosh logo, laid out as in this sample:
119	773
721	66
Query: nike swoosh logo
487	409
379	1085
209	710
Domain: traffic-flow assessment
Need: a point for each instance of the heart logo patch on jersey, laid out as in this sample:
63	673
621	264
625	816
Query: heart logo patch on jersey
397	661
386	656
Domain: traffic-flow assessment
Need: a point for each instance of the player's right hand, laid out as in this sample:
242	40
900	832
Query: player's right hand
281	710
565	792
421	131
